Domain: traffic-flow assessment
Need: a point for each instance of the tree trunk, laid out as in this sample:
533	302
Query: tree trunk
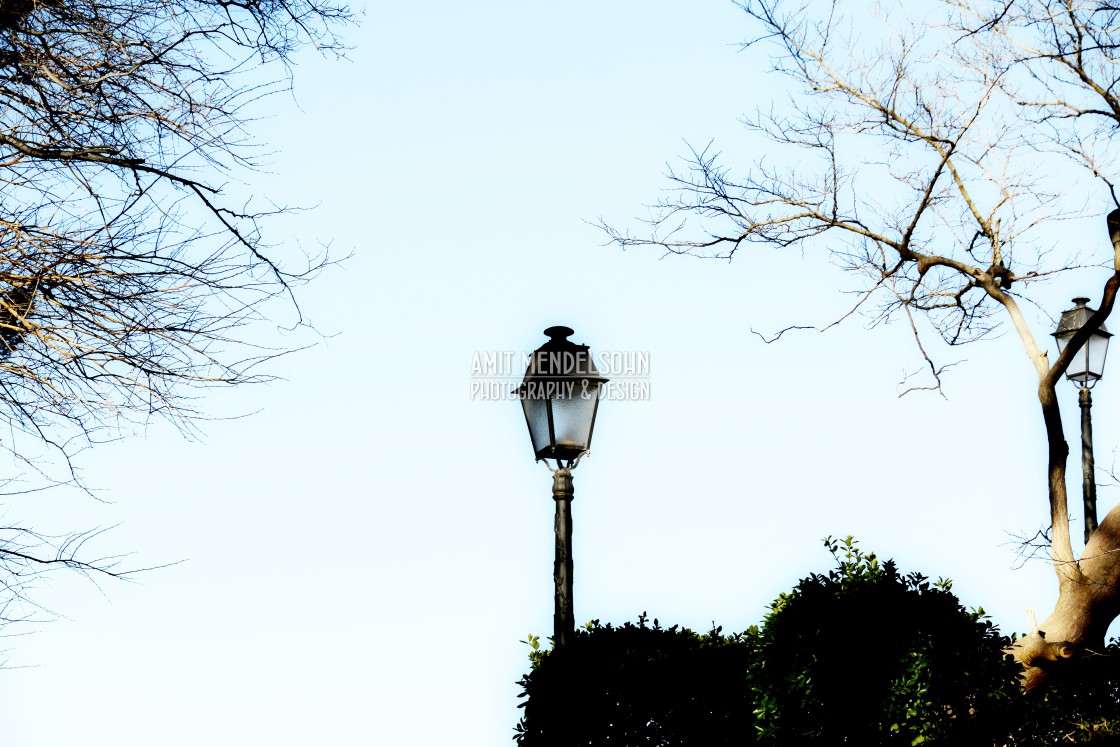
1088	593
1088	602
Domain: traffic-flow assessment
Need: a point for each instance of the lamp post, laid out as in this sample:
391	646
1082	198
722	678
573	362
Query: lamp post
560	396
1086	369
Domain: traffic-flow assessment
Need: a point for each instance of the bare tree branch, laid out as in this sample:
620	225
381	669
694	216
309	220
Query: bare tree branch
129	279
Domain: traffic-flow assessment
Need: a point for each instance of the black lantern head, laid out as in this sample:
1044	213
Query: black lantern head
1088	365
560	395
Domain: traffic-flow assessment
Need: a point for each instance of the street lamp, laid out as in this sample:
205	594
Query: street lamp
1086	369
560	396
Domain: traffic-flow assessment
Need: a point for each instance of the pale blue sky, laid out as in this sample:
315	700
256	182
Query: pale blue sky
363	555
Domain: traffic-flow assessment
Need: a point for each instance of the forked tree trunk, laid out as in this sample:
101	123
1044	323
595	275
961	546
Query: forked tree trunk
1088	602
1089	586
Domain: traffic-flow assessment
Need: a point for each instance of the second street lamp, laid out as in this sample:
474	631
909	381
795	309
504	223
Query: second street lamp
1086	369
560	396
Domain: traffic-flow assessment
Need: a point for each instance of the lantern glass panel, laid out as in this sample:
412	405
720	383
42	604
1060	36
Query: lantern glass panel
536	415
1088	365
1097	348
573	418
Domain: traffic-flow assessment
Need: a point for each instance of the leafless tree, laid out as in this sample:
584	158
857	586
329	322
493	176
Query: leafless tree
930	141
129	268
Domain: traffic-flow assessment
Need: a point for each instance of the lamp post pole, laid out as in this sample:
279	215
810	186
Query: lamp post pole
563	620
1085	369
560	397
1089	483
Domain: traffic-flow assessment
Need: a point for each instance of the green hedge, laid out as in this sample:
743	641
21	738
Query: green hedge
862	655
865	655
639	685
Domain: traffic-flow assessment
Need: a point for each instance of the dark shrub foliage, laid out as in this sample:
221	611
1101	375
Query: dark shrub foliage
1080	704
868	656
639	685
861	656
